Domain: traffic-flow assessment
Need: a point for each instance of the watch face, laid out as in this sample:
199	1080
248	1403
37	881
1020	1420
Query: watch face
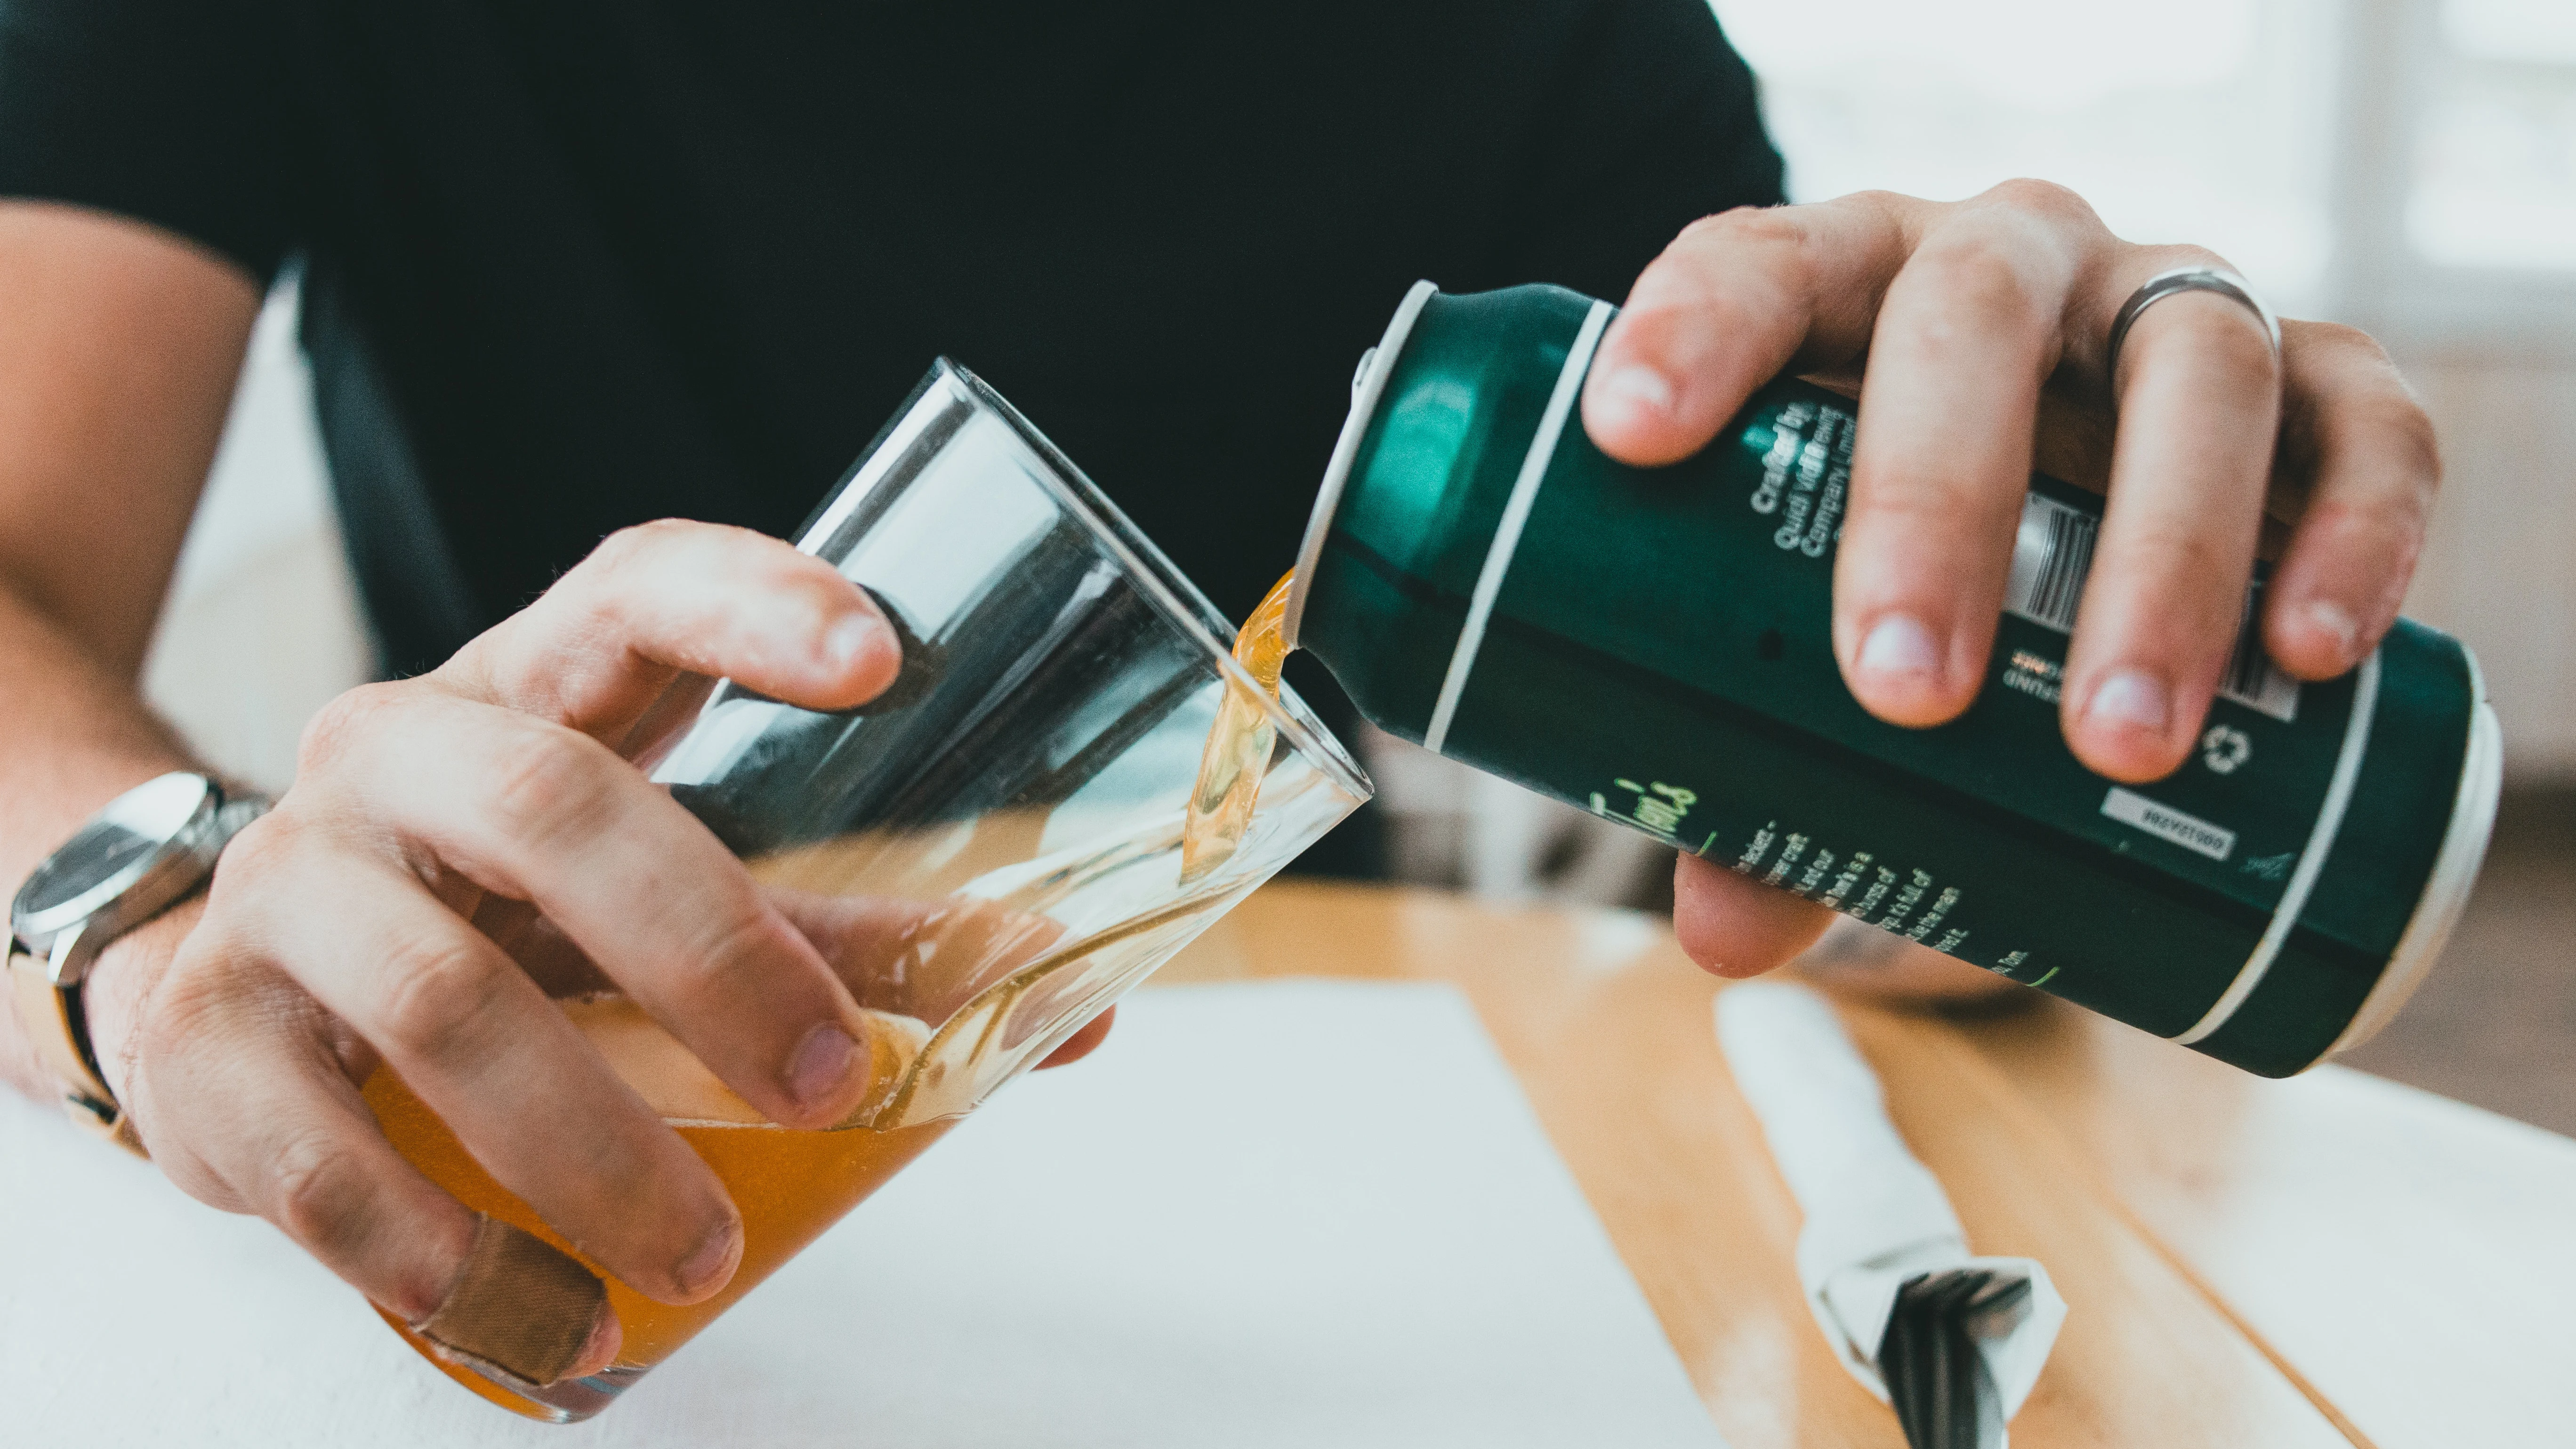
116	848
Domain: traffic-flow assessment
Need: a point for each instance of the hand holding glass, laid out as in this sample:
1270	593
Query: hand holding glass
988	854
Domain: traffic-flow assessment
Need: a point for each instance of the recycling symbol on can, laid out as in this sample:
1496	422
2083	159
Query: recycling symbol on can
2224	749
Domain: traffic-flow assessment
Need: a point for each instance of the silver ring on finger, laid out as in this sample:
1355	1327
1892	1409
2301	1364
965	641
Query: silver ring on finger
2173	283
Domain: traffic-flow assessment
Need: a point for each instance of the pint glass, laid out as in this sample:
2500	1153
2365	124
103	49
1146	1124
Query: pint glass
989	853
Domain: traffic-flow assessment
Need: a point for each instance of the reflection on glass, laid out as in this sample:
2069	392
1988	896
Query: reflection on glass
988	854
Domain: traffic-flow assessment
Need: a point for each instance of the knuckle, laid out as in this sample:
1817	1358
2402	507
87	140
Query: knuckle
193	1175
779	581
819	585
592	590
184	999
613	594
2215	345
2047	200
439	997
639	543
197	1002
1920	500
1978	275
261	849
2174	558
262	873
2405	465
598	595
336	728
2416	446
546	785
318	1195
732	945
2346	344
1781	238
2235	357
2150	260
1756	225
187	1009
2346	388
2187	255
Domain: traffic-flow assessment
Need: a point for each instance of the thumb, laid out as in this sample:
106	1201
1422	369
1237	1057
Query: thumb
1735	926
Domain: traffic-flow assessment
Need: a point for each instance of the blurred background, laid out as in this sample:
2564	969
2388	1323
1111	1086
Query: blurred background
2407	166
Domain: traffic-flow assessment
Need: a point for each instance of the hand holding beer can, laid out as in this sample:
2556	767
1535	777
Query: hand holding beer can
1654	645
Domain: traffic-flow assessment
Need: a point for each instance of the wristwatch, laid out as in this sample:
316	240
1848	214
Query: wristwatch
148	850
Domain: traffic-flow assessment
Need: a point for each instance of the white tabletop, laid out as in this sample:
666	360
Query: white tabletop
1279	1214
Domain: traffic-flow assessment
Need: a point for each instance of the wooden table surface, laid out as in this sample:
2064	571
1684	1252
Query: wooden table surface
2326	1261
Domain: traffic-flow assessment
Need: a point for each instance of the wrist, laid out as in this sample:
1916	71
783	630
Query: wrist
121	985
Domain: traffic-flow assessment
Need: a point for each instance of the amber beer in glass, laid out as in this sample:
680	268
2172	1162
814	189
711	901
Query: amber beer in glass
989	854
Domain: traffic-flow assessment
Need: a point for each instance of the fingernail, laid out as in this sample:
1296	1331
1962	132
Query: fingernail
1638	387
821	1064
607	1336
2332	620
713	1261
1898	644
2132	699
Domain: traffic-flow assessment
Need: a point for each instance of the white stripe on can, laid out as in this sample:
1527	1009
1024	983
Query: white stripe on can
1376	366
2312	861
1507	532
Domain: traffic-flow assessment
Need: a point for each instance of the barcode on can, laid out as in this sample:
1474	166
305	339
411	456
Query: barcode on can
2183	829
2052	555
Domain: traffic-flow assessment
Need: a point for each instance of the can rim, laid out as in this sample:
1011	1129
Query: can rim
1166	587
1367	387
2455	872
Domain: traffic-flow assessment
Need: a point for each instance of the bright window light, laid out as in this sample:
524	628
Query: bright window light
2495	177
2542	31
2494	182
2180	120
2025	54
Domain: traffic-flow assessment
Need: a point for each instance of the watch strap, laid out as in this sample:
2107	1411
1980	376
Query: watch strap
56	1029
54	1017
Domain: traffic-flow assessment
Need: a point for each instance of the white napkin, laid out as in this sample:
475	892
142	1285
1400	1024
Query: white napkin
1875	1217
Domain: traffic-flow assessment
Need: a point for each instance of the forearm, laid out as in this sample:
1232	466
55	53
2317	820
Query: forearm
79	735
119	345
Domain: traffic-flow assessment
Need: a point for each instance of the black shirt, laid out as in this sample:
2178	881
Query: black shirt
572	264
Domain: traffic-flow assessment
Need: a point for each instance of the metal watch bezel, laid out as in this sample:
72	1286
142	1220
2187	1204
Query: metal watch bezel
177	815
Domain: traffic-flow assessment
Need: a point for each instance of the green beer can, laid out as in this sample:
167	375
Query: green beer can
1654	646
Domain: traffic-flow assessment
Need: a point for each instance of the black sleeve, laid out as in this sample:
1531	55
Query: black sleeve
1654	122
173	112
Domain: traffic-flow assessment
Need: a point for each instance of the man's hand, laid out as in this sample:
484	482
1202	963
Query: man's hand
341	931
1972	329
